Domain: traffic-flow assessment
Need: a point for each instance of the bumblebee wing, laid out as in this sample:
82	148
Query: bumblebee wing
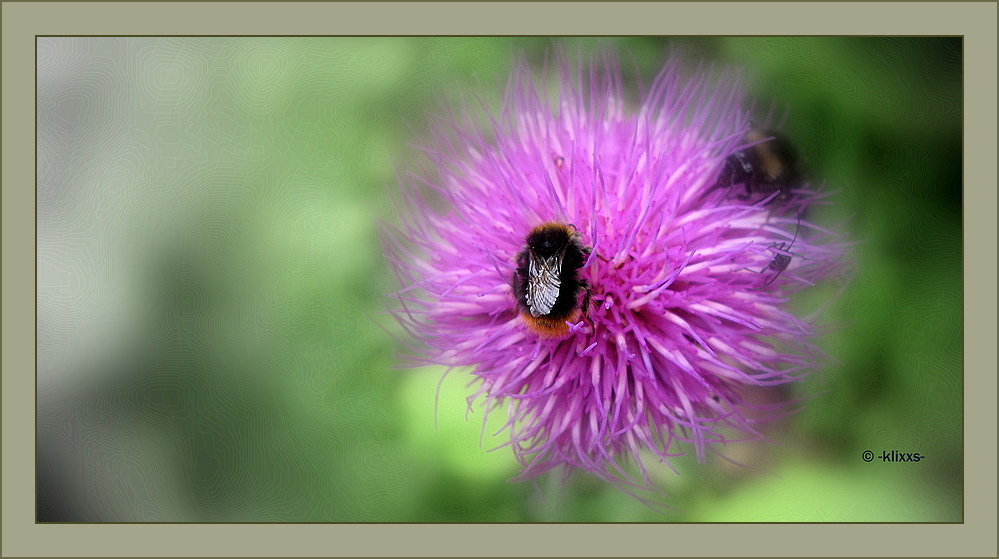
543	282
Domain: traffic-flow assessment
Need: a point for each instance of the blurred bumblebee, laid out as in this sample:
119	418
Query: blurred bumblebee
763	168
547	284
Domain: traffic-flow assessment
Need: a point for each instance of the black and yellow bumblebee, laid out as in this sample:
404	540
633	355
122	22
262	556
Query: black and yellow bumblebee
547	282
763	168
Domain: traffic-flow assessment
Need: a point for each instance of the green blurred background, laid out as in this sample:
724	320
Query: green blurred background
210	277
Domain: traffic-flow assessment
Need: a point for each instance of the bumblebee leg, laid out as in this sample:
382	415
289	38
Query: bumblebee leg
586	303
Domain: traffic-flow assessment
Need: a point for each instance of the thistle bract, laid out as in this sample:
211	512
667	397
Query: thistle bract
687	281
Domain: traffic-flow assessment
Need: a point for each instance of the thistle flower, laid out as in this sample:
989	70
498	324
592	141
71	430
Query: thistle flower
683	285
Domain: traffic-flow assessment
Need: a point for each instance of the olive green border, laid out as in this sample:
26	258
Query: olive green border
22	21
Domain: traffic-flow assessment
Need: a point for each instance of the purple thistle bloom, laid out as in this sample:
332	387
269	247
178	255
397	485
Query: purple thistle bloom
687	281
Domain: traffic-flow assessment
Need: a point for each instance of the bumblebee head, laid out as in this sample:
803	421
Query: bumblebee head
550	239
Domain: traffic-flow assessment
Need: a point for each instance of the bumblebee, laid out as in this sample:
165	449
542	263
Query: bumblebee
547	284
763	168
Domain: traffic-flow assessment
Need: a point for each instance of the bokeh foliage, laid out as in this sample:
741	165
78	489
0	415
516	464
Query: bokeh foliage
210	282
